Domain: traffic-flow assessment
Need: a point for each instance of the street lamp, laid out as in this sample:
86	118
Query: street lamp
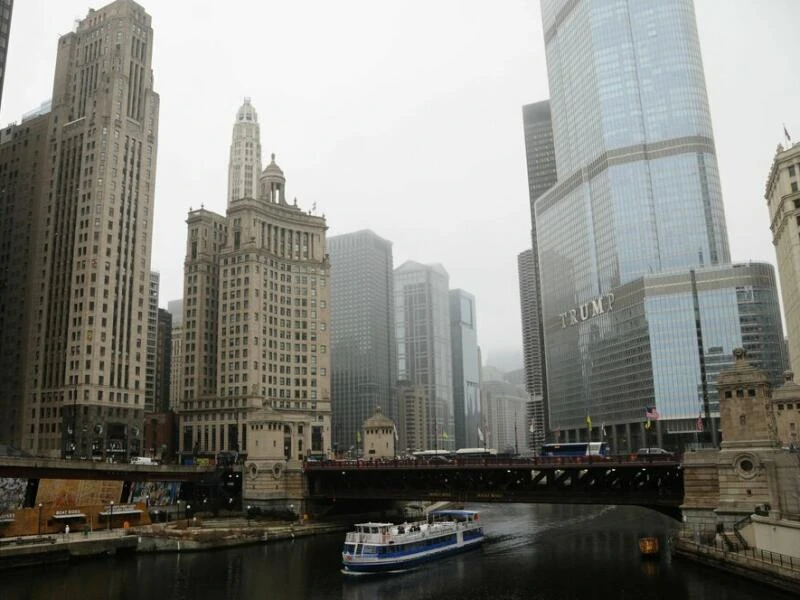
147	501
188	508
111	515
248	515
40	518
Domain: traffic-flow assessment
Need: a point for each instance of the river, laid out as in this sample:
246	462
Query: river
539	552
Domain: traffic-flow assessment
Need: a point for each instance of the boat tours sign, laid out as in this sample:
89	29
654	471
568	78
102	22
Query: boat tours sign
587	310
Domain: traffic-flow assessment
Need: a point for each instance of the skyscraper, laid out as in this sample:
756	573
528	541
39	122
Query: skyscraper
466	369
6	6
638	194
363	352
175	308
163	362
783	200
422	322
87	257
152	336
541	162
255	319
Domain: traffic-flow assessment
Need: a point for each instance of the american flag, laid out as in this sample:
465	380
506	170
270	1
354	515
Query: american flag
651	413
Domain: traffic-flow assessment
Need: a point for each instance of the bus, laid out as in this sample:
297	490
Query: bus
433	455
475	453
576	449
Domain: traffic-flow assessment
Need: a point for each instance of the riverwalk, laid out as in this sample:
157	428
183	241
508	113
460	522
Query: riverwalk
178	536
777	570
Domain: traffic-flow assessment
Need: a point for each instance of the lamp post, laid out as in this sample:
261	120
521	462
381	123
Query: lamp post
147	501
111	514
40	518
248	515
188	508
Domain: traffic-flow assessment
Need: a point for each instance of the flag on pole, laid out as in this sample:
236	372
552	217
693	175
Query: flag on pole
786	133
588	421
444	435
651	413
532	428
480	434
358	437
603	429
396	437
647	424
700	423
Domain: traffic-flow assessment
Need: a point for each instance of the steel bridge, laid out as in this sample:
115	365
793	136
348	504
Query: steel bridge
655	481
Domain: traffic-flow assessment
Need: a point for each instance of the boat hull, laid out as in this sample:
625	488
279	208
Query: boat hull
358	566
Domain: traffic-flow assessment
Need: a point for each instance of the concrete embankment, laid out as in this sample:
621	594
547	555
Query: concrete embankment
782	576
47	550
213	535
217	536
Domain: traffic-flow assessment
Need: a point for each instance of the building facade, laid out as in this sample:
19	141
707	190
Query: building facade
422	326
152	340
638	193
783	201
6	7
541	162
255	324
363	351
90	236
163	362
466	369
505	406
176	375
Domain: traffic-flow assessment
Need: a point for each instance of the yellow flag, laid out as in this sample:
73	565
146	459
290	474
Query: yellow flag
588	421
444	435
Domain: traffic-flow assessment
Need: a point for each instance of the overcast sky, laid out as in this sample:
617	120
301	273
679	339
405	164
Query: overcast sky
405	118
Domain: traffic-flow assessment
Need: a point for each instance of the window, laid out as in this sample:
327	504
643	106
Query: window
791	170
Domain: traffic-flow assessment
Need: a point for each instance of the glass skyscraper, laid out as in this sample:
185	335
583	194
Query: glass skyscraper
422	333
466	369
638	194
363	362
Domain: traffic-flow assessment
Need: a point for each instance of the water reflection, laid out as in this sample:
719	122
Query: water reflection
532	552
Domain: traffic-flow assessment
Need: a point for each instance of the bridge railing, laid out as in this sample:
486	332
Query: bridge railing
513	462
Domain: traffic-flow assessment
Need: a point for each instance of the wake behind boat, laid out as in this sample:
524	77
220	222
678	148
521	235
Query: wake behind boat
390	548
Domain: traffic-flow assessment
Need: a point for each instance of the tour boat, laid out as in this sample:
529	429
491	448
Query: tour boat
391	548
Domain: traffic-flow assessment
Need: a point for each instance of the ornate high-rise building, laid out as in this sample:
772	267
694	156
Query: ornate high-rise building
363	352
84	266
783	201
244	167
6	6
255	319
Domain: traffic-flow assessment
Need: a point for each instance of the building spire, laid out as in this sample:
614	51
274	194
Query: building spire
244	165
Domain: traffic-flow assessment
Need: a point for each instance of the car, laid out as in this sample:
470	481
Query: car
653	452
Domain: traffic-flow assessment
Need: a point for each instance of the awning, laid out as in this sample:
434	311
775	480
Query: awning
127	511
70	516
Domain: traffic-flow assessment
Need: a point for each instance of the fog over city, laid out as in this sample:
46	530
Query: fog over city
405	118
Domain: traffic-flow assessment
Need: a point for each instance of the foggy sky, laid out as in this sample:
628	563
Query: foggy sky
405	118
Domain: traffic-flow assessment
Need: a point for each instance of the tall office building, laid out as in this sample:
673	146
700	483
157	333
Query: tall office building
466	369
6	6
88	230
422	325
255	319
541	162
638	193
783	201
163	362
152	336
175	308
363	352
504	405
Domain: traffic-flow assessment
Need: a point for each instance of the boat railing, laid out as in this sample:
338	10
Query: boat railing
359	537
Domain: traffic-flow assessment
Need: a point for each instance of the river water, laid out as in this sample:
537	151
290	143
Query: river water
540	552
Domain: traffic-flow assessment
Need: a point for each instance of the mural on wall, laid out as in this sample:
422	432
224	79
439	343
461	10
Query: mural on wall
161	493
69	493
12	493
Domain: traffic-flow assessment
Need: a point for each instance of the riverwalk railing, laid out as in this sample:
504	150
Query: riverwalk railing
709	542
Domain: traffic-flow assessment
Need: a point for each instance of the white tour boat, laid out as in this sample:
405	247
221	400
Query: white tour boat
388	548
